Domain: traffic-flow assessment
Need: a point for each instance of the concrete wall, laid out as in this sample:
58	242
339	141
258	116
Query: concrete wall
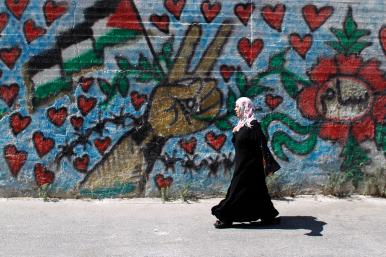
122	98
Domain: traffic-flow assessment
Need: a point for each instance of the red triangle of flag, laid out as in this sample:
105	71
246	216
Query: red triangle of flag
125	17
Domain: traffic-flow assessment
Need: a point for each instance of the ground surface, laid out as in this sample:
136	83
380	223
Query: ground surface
311	226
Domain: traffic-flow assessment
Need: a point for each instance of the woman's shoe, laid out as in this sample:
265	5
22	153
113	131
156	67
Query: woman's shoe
222	224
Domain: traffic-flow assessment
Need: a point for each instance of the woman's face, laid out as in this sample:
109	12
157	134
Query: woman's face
238	111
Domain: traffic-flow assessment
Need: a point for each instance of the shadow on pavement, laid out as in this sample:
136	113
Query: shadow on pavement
289	222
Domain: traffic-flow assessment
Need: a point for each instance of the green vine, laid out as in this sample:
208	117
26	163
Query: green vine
354	158
145	71
380	137
252	88
280	138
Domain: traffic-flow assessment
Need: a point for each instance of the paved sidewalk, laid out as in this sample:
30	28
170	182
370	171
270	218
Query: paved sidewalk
311	226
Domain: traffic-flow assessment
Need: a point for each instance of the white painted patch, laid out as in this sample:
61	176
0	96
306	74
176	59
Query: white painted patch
47	75
100	28
76	50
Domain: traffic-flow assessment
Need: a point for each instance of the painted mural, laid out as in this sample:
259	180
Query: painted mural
122	98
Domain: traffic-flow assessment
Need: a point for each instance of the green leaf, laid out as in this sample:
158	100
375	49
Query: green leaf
146	71
144	64
167	52
349	25
290	84
358	47
123	63
256	90
107	88
337	46
277	61
340	35
255	81
241	81
231	101
121	82
223	125
358	34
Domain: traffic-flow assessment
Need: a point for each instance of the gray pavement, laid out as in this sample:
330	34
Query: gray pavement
311	226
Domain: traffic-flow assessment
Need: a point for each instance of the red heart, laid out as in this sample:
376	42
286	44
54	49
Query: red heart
188	146
137	100
175	7
161	22
301	45
9	93
163	182
43	145
274	16
214	141
85	104
168	181
17	7
159	180
273	101
250	51
76	122
18	123
314	17
102	144
226	71
57	116
3	21
31	31
210	11
42	175
15	159
10	55
81	163
382	38
85	83
244	12
53	10
125	17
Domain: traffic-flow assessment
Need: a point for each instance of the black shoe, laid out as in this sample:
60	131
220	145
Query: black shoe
222	224
271	221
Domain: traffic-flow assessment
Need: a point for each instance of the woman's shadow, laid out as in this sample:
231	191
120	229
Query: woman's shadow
289	222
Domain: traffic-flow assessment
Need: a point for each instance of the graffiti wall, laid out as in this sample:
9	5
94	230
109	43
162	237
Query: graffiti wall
124	98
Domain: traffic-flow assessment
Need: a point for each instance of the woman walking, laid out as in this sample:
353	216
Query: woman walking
247	198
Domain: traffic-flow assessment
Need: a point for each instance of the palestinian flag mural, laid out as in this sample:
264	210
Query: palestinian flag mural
80	49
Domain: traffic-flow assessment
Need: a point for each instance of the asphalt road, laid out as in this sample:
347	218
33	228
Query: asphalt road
310	226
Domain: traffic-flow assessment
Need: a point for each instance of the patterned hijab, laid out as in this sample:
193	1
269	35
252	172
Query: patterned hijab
246	109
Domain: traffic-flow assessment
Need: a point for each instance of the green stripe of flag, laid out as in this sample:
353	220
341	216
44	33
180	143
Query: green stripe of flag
50	89
114	37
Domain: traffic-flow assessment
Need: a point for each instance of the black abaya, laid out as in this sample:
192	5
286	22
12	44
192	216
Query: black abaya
247	198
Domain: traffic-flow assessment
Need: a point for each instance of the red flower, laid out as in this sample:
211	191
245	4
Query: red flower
348	96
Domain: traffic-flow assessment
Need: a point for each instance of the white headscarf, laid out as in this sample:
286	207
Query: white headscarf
246	110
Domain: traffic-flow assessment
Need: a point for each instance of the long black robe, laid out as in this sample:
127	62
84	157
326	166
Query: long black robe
247	198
